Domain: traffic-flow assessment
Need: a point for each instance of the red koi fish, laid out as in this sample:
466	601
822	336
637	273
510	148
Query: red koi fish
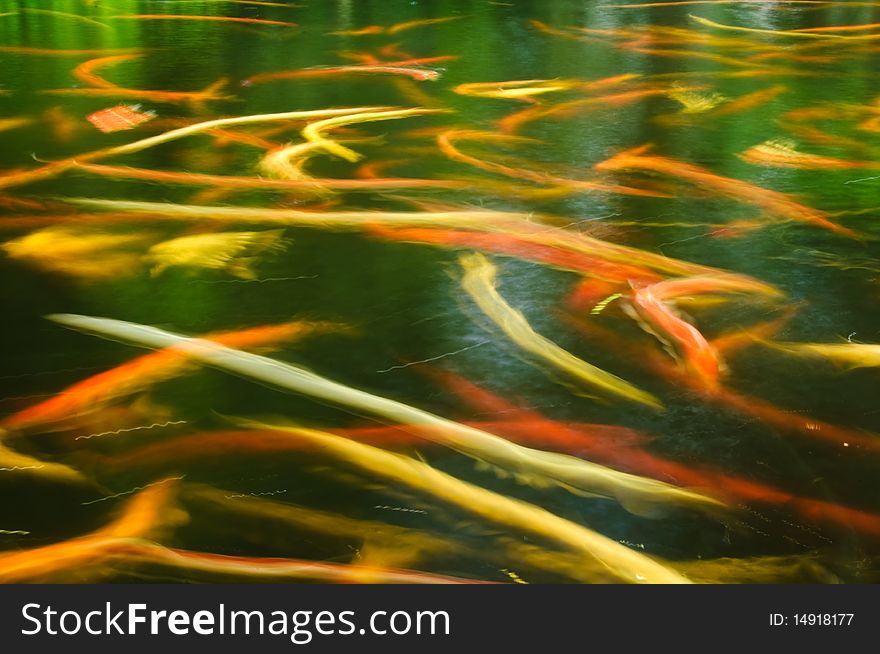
521	247
621	448
139	373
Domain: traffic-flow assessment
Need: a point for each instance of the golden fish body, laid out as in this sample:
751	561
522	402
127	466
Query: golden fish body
232	252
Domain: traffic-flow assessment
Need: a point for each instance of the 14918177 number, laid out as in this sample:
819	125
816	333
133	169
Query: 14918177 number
823	619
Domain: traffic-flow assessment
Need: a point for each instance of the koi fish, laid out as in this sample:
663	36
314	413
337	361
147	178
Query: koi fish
794	33
693	102
849	355
236	182
97	391
781	153
50	170
139	552
408	25
479	282
17	463
85	72
7	124
701	357
142	515
513	245
620	563
785	421
80	254
399	545
232	252
211	93
749	100
774	202
227	19
524	90
569	472
623	449
446	142
418	74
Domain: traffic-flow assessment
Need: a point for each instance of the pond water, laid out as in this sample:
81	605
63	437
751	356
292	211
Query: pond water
503	253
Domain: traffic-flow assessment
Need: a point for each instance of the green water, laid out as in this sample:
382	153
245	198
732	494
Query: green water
405	300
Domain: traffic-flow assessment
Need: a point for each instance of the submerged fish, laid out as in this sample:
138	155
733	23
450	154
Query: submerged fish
139	553
524	89
144	514
95	392
774	202
782	154
615	561
848	355
636	494
227	19
479	281
85	255
418	74
232	252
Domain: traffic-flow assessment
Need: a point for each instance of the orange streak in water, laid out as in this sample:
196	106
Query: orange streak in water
143	371
228	19
773	202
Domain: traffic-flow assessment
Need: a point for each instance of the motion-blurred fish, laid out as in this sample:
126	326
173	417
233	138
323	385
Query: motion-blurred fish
619	563
418	74
524	90
479	281
773	202
848	355
634	493
231	252
85	255
781	153
149	510
95	392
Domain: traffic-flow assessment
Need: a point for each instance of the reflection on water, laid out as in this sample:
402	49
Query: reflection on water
510	292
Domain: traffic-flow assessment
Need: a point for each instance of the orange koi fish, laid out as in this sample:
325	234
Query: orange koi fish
232	181
418	74
363	31
622	448
210	93
92	393
781	154
750	100
446	143
408	25
773	202
523	89
840	28
786	421
137	553
85	72
147	511
516	246
701	357
228	19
